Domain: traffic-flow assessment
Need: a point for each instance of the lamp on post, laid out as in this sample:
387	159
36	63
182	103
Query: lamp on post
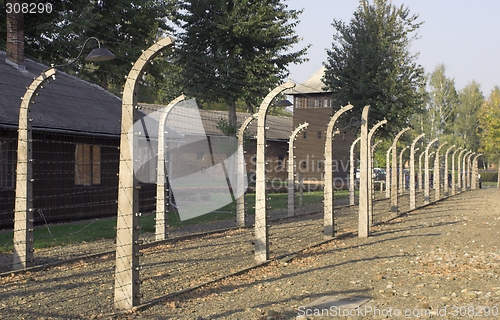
23	211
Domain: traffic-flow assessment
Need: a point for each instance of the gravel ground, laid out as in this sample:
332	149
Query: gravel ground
444	255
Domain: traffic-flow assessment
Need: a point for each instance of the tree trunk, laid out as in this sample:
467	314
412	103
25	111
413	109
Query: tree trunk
232	114
104	80
498	180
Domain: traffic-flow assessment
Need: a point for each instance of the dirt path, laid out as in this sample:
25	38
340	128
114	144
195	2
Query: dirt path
443	255
442	261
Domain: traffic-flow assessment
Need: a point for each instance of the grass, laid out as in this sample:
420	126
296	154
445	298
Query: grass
90	230
489	184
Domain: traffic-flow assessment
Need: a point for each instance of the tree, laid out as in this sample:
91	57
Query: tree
443	103
235	50
489	126
124	27
370	63
466	116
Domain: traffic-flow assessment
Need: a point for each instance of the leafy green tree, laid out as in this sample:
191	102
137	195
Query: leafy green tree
124	27
370	63
465	121
489	124
443	103
235	50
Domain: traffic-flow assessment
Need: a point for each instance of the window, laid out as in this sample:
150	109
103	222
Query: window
319	134
87	165
304	134
7	164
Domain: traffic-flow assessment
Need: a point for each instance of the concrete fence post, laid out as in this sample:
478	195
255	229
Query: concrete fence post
412	171
394	173
437	173
370	181
453	173
261	227
162	189
420	176
363	224
427	174
371	133
469	169
292	168
388	173
446	181
465	170
460	168
328	200
352	170
127	267
402	185
475	172
240	182
23	207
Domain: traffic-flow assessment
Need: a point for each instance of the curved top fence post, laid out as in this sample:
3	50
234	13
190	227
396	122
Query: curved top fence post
261	234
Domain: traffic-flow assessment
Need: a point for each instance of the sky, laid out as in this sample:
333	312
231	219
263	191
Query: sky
461	34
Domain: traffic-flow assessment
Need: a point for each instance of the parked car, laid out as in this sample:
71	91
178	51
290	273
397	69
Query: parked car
379	174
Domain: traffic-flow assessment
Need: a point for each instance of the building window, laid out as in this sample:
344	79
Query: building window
7	164
319	134
304	134
87	165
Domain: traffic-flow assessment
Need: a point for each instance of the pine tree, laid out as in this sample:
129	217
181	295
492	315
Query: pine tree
235	50
370	63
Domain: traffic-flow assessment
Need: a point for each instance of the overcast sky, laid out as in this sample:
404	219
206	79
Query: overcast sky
461	34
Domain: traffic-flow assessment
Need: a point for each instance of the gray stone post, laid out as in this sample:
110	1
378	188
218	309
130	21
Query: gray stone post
401	188
388	173
127	282
241	176
364	224
427	175
394	174
437	173
352	169
292	168
162	192
328	205
453	179
261	233
412	171
446	192
23	207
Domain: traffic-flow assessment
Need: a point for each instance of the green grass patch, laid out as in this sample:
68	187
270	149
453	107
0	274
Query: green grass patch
489	184
90	230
